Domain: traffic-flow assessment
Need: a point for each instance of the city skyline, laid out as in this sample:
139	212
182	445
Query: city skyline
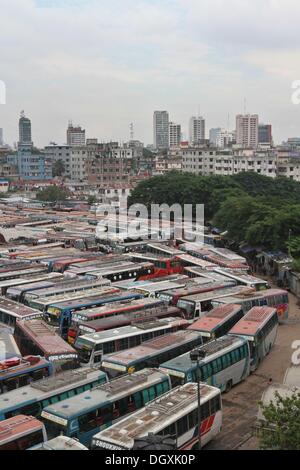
189	59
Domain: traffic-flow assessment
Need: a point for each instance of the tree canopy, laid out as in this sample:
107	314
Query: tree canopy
281	429
58	168
252	208
52	194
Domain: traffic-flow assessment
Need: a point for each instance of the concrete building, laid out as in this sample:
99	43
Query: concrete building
161	130
75	136
265	134
212	161
247	130
174	135
220	138
24	131
78	161
196	130
1	137
60	152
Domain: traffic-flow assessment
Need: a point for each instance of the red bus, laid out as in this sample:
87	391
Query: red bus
21	433
163	265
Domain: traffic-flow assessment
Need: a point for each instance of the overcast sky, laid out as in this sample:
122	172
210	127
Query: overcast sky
106	63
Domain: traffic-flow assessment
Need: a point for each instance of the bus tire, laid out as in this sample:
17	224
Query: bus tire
228	386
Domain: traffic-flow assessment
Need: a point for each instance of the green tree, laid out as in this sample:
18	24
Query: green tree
281	429
58	168
52	194
92	200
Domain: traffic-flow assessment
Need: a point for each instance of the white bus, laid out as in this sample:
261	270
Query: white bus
175	413
244	279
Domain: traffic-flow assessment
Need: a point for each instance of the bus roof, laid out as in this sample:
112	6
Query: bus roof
61	443
97	297
48	386
155	416
71	297
15	427
245	295
134	329
161	286
164	249
253	321
240	276
195	262
215	317
17	310
113	390
227	291
151	348
27	363
47	340
71	285
183	363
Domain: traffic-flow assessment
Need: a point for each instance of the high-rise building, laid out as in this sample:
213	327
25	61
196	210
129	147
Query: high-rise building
220	137
1	137
197	130
265	134
24	131
247	130
161	130
75	136
174	135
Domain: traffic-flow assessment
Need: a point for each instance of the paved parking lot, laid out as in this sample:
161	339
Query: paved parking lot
241	403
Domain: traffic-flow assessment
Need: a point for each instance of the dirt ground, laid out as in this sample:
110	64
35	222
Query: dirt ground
240	405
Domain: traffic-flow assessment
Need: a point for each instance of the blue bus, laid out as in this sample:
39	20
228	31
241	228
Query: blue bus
82	416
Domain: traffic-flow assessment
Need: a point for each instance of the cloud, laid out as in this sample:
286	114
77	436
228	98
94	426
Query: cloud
107	63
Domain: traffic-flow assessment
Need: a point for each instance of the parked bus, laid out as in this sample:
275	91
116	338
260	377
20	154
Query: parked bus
31	269
120	271
22	281
92	347
259	326
117	321
151	353
60	314
17	293
218	321
11	311
174	414
244	279
226	363
36	337
198	305
81	417
21	433
67	286
154	289
22	371
163	265
197	287
42	303
33	398
277	298
61	443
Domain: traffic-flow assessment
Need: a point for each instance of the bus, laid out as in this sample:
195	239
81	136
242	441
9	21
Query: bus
198	305
117	321
61	443
36	337
22	371
163	265
151	353
8	347
67	286
92	347
259	326
28	279
226	363
11	311
218	321
244	279
34	269
21	433
154	289
174	414
132	308
17	293
33	398
277	298
120	271
81	417
60	314
196	287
